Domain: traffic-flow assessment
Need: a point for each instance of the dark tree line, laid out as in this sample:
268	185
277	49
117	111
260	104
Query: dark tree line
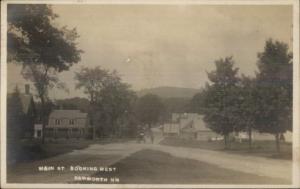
232	103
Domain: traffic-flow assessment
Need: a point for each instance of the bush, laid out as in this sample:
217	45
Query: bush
30	150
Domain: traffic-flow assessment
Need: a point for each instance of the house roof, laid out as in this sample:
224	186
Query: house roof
67	114
194	123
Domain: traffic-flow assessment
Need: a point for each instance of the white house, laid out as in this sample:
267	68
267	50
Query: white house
188	126
67	124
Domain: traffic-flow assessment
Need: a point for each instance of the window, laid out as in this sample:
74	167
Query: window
71	121
57	122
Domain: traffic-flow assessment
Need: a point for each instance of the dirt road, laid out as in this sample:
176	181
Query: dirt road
109	154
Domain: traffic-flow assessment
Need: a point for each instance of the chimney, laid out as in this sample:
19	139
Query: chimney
27	89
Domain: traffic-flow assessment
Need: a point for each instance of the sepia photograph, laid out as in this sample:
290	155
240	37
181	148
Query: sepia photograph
150	94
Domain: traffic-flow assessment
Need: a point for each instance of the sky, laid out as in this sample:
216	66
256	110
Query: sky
167	45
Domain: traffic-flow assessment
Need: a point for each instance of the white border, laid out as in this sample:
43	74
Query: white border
296	101
296	96
3	92
158	2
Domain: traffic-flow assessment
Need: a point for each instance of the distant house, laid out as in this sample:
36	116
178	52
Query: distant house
171	129
188	126
193	127
67	124
28	108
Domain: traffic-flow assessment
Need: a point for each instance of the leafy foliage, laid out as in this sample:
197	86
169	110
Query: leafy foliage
275	85
110	98
264	103
197	103
33	37
218	99
94	80
149	109
15	114
15	119
275	88
41	47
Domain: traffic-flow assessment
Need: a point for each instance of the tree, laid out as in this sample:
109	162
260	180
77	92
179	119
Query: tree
40	47
109	97
219	98
196	104
247	106
92	80
116	103
275	88
149	109
15	119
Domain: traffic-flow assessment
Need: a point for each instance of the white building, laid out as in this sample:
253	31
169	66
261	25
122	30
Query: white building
38	131
67	124
189	126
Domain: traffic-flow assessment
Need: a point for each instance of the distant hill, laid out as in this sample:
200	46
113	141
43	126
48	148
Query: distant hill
170	92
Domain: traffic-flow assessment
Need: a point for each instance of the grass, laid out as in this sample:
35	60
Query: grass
32	150
154	167
27	172
64	146
259	148
34	154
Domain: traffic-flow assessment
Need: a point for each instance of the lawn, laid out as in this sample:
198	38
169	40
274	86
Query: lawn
259	148
154	167
55	153
31	150
64	146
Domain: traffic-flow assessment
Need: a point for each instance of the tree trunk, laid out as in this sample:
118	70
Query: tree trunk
93	121
277	142
43	119
250	137
225	140
94	131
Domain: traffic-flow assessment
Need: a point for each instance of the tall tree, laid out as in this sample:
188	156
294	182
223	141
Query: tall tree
116	103
42	48
92	80
149	110
219	100
275	87
247	113
109	97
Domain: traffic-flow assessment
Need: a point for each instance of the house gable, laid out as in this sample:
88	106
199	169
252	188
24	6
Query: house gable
67	119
